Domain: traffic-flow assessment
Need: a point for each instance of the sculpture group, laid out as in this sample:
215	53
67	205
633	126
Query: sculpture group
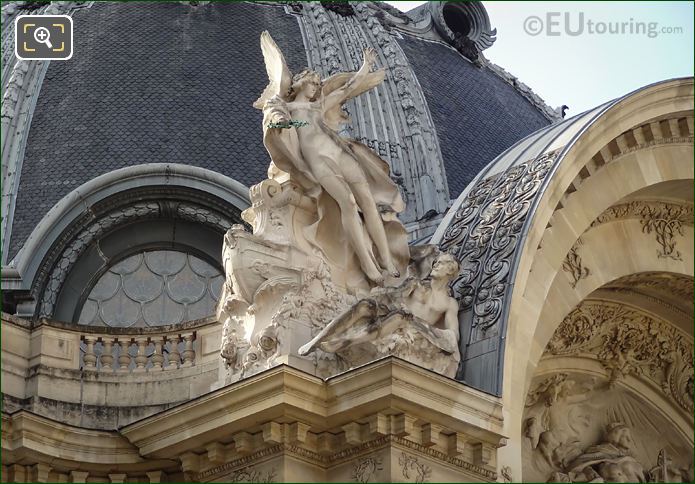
575	431
327	281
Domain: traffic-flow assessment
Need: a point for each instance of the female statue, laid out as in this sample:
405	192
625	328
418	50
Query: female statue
356	200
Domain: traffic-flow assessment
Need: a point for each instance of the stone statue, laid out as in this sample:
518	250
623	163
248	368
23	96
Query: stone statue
356	200
327	281
609	461
417	320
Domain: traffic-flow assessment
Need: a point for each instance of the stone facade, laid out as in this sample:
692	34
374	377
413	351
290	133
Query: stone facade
536	328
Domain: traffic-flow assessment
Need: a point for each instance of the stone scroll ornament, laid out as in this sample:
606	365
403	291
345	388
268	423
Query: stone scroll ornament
327	281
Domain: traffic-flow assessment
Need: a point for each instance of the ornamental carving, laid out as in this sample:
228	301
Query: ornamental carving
92	229
315	277
414	470
662	284
365	470
665	220
251	474
579	429
574	266
484	235
629	342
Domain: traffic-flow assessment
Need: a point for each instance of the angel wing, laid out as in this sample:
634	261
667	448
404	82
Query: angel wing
335	116
278	73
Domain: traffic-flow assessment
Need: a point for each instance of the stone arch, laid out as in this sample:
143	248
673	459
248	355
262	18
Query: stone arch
619	355
514	226
627	175
116	203
642	142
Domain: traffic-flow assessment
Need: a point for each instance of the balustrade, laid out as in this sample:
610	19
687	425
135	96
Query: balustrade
137	353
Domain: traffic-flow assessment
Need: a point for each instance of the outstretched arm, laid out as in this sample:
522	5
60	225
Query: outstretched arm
275	111
344	93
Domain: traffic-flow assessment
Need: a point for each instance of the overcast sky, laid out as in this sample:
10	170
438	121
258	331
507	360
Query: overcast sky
585	70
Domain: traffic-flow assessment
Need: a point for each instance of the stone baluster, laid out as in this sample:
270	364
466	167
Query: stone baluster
90	358
188	353
107	353
157	356
141	358
174	355
124	357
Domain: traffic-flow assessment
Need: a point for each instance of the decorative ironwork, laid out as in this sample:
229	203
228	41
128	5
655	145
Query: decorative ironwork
484	235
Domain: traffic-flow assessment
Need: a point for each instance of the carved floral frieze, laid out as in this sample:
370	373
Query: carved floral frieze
629	342
574	265
664	220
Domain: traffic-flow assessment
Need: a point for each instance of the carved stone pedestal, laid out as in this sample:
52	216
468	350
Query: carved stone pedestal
389	421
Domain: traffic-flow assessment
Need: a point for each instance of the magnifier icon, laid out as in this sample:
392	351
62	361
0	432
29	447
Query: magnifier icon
43	36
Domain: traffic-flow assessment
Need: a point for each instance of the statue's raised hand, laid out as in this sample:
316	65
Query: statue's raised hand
370	57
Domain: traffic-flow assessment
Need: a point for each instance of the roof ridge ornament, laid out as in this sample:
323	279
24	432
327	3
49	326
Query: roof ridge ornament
464	25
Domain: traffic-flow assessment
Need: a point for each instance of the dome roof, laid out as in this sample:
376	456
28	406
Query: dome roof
174	82
148	83
481	114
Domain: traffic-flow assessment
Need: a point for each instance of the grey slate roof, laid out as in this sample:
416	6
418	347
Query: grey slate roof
477	115
151	83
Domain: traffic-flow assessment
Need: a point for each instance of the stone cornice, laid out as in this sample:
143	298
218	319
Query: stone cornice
85	329
285	393
327	460
70	446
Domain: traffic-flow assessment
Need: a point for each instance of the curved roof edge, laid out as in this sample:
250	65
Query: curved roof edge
23	267
488	226
427	22
564	133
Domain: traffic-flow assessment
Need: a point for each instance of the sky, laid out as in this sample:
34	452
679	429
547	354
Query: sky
584	69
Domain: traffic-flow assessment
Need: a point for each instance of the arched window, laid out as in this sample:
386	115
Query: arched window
153	288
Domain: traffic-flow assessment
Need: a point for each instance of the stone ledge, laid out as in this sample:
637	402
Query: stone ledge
389	411
284	413
29	438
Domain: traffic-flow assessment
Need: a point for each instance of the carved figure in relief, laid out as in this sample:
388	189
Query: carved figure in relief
418	308
552	425
356	200
666	471
611	459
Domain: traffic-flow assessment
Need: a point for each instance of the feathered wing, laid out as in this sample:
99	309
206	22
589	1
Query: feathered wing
278	73
335	115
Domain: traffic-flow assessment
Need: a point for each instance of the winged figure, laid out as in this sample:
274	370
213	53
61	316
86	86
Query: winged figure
356	200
